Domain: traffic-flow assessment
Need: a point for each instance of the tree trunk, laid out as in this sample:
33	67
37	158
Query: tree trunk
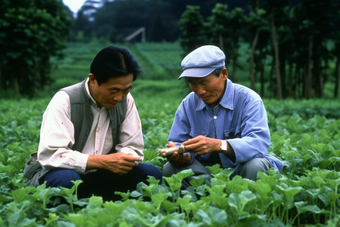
296	86
282	64
290	79
317	72
277	63
308	80
271	85
17	87
336	75
251	68
2	78
220	38
263	65
233	59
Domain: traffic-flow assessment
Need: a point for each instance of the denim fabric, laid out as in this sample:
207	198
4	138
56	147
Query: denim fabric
103	182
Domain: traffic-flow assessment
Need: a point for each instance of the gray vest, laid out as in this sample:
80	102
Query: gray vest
82	119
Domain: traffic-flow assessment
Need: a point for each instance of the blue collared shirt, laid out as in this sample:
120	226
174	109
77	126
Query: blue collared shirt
240	118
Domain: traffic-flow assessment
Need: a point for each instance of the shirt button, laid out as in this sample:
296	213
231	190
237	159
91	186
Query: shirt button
61	156
96	151
97	130
215	117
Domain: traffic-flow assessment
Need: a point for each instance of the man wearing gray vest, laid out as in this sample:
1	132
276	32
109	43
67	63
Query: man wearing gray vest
91	131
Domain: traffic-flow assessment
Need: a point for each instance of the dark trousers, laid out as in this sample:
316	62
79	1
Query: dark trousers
103	182
247	170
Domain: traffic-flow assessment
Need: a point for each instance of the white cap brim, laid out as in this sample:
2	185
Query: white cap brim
196	72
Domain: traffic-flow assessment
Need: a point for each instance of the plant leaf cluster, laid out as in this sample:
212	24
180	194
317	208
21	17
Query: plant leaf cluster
305	192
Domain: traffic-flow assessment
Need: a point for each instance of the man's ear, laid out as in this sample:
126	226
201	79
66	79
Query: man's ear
224	73
92	79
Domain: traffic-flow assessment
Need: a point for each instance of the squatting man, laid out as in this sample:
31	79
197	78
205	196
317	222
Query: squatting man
91	131
219	122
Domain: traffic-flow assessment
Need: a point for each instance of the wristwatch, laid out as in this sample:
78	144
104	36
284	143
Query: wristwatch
223	145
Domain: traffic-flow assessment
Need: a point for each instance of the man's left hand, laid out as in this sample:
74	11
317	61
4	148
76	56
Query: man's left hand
202	145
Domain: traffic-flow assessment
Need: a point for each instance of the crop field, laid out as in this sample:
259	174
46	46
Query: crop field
305	135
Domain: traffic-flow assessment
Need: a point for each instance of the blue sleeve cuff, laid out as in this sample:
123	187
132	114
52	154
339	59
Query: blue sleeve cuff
192	157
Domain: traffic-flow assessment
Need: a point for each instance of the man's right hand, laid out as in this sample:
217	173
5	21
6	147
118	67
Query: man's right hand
119	163
177	159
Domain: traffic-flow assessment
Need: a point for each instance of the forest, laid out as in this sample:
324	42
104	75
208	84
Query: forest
292	46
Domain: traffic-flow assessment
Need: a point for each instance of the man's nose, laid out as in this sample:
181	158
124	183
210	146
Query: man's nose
118	97
200	90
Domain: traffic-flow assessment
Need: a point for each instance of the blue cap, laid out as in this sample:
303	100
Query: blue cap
202	61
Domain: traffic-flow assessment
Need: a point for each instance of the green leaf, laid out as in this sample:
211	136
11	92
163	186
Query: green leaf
215	169
220	201
246	197
218	215
235	202
309	208
96	200
115	209
124	195
20	195
158	199
77	219
169	206
197	181
262	189
184	174
204	217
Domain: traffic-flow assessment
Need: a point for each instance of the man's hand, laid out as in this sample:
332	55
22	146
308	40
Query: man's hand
119	163
202	145
177	159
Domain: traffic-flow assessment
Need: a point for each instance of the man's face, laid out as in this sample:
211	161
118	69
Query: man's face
111	92
210	89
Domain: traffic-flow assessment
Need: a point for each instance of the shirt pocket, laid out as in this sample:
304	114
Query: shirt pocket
194	133
108	143
232	133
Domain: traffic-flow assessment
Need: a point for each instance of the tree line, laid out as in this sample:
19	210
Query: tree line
31	32
115	20
292	44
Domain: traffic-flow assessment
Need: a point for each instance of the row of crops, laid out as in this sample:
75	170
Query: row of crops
163	60
305	134
306	192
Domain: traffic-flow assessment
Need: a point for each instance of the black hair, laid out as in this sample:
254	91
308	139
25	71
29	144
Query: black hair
114	61
217	72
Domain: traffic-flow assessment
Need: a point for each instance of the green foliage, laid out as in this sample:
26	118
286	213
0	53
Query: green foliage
226	31
306	192
290	44
305	134
31	33
160	61
192	29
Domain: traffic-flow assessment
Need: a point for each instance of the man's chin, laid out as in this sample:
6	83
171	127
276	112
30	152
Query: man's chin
205	100
110	105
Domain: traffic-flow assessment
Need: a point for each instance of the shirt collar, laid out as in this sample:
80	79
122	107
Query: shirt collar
227	100
93	102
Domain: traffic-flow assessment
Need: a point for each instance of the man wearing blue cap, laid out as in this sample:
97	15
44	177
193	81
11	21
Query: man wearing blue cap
219	122
91	131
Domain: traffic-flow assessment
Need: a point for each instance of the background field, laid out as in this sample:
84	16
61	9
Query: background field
305	135
162	66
